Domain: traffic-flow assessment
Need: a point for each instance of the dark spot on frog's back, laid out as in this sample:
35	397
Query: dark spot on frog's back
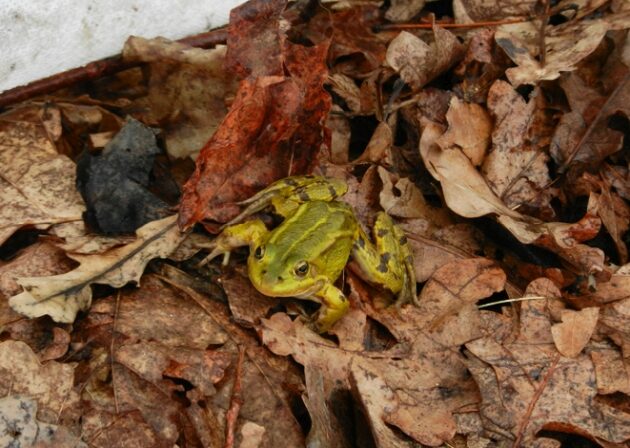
382	232
290	182
403	240
332	191
360	242
382	267
304	197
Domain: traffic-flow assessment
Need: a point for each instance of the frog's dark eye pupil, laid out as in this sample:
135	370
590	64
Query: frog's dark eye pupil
301	268
259	252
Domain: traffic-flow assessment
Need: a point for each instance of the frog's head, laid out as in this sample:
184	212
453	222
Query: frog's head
275	274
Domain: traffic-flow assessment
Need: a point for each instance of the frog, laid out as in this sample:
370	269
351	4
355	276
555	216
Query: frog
304	256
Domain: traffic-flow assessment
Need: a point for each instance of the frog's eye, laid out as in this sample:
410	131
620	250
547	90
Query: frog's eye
301	268
259	252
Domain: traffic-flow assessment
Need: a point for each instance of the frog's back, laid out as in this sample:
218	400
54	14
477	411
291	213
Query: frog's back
319	232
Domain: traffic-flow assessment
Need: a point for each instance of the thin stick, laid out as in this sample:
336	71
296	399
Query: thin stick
235	402
518	299
428	26
97	69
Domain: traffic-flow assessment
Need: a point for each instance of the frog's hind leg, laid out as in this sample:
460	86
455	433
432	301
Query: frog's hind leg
390	263
287	194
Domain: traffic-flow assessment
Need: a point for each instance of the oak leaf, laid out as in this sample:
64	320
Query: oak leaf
63	296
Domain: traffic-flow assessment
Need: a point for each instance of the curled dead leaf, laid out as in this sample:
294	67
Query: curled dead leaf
63	296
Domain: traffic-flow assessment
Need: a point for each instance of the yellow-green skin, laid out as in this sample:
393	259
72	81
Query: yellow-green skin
304	256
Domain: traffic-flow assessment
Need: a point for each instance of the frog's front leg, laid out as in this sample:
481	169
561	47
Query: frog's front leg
334	306
287	194
248	233
390	263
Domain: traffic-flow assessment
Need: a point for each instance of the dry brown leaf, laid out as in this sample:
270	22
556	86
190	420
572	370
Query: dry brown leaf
614	322
345	87
418	62
515	169
410	387
187	91
617	288
403	10
467	11
537	313
247	305
469	128
50	383
611	370
407	201
340	136
457	285
572	335
615	215
583	135
528	387
566	46
379	147
79	240
326	429
433	250
62	296
467	194
37	184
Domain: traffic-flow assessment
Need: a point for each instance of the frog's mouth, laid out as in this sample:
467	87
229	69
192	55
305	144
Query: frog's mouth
310	291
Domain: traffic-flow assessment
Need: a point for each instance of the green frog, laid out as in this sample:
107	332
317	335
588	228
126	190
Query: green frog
305	255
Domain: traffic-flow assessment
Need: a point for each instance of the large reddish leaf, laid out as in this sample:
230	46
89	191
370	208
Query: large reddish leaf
274	128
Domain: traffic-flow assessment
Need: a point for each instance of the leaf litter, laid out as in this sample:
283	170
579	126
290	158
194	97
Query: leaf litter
495	135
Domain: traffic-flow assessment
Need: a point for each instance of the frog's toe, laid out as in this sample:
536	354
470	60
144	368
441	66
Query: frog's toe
216	251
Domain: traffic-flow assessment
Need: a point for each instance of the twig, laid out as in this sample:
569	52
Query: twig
111	352
446	25
97	69
534	400
235	402
541	34
613	96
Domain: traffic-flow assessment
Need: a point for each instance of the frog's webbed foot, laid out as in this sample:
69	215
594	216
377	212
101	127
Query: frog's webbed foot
286	194
234	236
334	304
390	263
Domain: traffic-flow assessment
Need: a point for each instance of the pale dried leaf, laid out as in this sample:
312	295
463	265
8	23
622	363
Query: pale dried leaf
526	387
611	370
403	10
36	184
467	11
515	170
50	383
19	426
566	45
62	296
572	335
339	126
345	87
417	62
467	194
187	88
469	128
379	147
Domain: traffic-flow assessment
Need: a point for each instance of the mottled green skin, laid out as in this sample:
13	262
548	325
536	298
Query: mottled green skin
306	253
